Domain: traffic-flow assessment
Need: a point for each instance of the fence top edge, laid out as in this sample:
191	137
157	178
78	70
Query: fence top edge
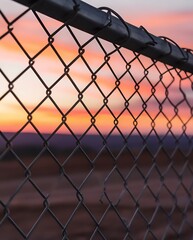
108	25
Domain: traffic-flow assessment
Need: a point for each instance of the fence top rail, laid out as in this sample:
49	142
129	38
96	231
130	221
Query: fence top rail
106	24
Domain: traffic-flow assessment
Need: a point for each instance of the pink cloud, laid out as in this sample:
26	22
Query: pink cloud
176	25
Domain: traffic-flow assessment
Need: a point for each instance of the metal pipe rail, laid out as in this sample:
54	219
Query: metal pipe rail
102	23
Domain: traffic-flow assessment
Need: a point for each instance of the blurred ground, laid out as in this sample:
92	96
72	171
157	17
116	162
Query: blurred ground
98	202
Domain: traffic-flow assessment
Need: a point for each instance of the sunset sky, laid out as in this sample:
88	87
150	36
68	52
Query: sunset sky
173	19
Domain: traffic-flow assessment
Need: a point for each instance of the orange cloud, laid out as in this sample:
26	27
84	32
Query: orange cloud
47	118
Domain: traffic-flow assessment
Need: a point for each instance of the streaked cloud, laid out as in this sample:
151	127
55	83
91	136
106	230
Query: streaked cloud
175	25
95	81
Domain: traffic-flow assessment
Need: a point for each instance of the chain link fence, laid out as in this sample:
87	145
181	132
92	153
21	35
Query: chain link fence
95	126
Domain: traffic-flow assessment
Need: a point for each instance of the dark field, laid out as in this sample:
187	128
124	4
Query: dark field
95	195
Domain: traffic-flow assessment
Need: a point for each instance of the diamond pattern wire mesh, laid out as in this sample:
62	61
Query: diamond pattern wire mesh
96	140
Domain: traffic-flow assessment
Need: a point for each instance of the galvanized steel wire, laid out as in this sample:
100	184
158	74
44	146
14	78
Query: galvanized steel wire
142	179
